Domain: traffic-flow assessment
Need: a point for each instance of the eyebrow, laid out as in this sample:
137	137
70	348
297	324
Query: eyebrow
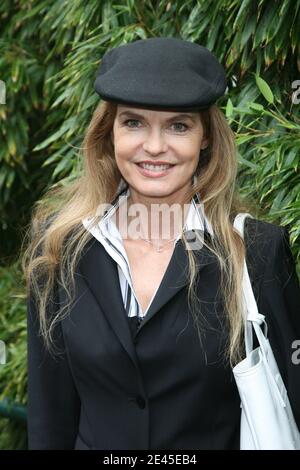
178	116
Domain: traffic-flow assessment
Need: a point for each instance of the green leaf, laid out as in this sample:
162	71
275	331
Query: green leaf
241	139
244	9
229	108
247	162
248	31
50	139
10	178
278	199
256	106
291	157
269	165
67	125
63	166
264	89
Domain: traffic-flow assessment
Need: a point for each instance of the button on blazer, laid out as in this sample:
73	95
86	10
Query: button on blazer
157	386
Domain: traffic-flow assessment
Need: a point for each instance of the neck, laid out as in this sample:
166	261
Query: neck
155	217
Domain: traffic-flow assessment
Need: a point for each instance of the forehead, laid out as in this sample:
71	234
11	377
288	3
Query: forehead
159	114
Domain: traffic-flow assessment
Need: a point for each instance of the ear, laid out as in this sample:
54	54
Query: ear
204	143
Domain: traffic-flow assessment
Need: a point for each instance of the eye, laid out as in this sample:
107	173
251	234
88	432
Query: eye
133	123
130	121
181	124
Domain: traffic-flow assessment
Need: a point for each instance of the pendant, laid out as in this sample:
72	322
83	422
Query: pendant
159	249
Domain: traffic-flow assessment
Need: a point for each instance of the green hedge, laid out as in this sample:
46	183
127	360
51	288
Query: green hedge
13	375
49	54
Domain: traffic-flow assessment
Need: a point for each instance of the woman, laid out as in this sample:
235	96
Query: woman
134	324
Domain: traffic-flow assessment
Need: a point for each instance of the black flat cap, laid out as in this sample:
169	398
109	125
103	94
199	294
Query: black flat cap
161	73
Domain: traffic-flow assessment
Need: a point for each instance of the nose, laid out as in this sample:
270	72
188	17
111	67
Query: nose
155	142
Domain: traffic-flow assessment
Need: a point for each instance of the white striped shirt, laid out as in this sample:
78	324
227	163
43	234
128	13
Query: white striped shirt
107	233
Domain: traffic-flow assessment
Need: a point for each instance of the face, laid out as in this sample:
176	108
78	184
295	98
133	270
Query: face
157	152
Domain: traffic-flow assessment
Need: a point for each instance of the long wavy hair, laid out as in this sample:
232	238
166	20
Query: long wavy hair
55	237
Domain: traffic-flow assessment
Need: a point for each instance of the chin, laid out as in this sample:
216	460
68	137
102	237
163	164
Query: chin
155	190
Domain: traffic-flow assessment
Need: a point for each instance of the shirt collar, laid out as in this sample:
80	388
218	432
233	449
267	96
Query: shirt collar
195	220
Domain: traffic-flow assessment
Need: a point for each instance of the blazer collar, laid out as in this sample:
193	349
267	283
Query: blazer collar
101	275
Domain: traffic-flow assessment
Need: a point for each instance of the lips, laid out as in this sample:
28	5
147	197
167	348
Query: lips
156	162
154	170
154	166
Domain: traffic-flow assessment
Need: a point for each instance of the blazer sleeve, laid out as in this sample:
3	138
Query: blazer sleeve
280	303
53	407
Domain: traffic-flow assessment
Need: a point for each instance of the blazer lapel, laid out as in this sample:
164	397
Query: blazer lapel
101	274
176	277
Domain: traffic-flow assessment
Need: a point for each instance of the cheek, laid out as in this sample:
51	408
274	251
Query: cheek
124	146
125	152
188	150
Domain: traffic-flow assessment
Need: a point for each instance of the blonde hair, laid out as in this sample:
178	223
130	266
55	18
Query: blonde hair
56	236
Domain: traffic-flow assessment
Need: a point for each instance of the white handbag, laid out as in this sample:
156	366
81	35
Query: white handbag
267	420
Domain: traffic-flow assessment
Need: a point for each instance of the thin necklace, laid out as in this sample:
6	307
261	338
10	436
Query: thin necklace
158	248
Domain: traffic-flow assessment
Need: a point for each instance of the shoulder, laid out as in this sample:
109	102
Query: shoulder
257	230
267	246
268	251
261	236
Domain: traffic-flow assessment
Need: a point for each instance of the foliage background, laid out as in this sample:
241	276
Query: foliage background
49	53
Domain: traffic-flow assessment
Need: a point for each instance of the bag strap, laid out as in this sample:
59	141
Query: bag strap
250	310
254	319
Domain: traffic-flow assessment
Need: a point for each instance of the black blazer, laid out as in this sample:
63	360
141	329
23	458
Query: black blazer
115	387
